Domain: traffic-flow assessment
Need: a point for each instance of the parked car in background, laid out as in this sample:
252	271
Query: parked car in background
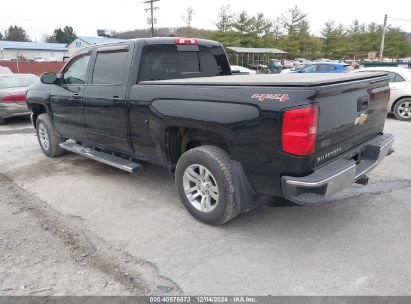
295	69
13	89
322	60
274	67
255	65
288	64
404	60
400	85
5	70
302	60
239	70
325	67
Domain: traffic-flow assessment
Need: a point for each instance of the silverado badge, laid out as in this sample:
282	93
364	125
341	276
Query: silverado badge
361	119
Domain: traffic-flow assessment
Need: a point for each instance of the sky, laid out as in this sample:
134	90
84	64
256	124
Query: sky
86	16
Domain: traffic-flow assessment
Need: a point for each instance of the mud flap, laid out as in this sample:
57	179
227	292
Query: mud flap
246	198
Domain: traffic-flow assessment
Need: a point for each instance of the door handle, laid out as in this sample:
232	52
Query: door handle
76	96
362	103
117	99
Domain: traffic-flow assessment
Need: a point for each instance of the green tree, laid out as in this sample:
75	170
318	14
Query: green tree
69	33
372	39
295	26
292	20
225	19
356	33
16	33
277	29
396	44
1	36
333	39
65	35
291	32
243	25
261	25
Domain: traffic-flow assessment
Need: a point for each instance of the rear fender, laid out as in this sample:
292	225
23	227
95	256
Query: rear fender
217	120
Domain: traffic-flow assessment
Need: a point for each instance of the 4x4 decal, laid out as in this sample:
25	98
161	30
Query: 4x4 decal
278	97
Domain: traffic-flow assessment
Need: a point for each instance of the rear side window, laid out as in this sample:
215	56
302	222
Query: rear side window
326	67
392	76
398	78
109	67
160	62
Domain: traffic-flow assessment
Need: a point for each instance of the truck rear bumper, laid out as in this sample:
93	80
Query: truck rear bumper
336	176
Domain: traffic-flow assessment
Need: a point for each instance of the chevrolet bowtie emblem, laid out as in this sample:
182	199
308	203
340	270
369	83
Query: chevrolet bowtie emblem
361	119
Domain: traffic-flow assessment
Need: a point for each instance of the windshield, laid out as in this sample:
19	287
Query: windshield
16	81
300	67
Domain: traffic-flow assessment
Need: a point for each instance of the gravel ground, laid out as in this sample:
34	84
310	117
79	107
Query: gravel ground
45	253
34	261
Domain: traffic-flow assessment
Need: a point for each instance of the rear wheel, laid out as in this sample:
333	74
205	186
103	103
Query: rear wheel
48	139
402	109
205	184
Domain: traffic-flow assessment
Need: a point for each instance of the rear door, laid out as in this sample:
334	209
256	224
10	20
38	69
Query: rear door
104	97
350	114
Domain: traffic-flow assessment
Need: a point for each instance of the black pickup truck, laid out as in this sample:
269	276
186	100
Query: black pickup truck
228	140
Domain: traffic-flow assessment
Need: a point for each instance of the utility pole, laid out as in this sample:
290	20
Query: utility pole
383	36
152	8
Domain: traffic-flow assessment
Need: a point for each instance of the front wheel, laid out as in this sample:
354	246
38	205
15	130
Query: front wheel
205	184
402	109
48	139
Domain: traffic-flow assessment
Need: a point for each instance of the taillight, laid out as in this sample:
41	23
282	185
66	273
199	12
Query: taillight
187	41
14	98
300	130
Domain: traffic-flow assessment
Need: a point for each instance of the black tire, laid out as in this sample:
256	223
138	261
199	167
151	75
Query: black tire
53	148
217	161
2	121
397	109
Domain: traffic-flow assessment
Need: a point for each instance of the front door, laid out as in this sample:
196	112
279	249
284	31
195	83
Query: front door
104	98
66	98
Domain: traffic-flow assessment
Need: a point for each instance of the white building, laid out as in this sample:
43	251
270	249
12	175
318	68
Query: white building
12	50
82	41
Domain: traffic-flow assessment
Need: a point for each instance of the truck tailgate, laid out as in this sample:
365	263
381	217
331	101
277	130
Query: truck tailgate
351	113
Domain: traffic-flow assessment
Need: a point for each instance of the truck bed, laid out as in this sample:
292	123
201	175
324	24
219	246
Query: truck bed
283	80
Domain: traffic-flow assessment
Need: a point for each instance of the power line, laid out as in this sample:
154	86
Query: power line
152	8
399	19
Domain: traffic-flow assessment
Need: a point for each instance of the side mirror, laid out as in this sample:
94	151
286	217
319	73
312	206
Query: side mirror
48	78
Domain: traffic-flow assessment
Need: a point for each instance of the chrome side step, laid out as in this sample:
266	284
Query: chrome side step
109	159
